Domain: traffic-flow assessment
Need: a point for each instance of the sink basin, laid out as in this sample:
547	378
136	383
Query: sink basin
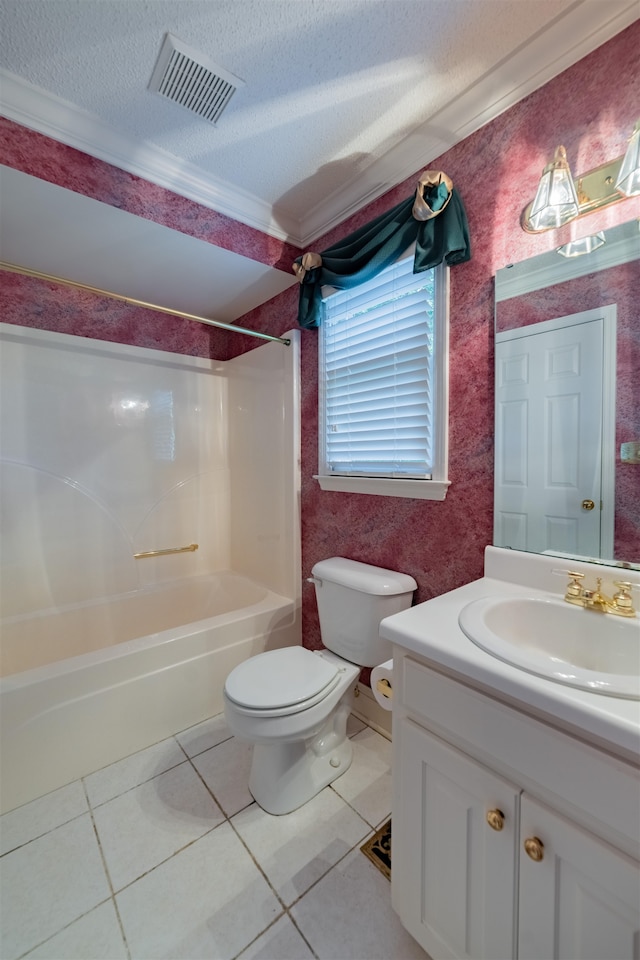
561	642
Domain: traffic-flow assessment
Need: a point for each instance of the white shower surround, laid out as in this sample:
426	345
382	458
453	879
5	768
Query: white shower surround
109	450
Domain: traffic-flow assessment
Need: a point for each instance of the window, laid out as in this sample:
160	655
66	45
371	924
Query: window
383	385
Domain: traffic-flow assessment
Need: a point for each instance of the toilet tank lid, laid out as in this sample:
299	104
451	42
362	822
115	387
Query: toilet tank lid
363	576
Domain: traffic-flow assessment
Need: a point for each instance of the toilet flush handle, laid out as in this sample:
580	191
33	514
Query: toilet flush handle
315	580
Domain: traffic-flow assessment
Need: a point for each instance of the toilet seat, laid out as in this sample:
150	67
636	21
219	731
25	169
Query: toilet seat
281	682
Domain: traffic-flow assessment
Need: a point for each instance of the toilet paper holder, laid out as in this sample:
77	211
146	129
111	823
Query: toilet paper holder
384	688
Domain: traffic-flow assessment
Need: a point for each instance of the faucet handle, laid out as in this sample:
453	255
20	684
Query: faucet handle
574	587
622	600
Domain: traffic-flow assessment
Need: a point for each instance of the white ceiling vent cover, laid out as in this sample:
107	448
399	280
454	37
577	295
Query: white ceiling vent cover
191	80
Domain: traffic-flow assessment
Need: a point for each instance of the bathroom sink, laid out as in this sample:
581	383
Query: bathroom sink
564	643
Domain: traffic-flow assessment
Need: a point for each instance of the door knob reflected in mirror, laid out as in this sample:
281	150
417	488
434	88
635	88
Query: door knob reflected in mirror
588	504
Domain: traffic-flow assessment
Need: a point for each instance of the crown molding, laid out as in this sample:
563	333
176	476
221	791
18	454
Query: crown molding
48	114
578	31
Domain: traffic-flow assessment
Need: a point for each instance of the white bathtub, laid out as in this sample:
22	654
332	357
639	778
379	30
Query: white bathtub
156	664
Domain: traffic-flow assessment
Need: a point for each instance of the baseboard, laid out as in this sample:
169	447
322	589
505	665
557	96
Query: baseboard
367	709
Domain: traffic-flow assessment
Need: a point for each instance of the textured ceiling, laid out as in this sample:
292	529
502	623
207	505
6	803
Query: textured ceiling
342	99
332	87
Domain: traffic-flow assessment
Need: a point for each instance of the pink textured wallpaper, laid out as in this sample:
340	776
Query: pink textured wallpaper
41	304
496	171
49	160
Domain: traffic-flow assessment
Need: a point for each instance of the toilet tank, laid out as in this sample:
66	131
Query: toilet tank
352	599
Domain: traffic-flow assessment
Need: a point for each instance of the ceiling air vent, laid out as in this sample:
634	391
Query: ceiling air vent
191	80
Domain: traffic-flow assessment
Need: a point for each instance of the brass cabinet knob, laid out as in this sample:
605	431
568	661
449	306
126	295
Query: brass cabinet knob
534	848
495	819
588	505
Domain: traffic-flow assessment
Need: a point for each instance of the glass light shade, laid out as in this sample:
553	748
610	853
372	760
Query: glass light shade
628	181
577	248
556	200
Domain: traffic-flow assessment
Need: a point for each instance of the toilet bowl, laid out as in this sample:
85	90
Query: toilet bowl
299	746
293	704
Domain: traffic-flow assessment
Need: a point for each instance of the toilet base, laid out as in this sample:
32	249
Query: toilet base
284	776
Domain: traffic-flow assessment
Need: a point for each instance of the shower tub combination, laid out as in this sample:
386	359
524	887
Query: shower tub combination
128	673
113	457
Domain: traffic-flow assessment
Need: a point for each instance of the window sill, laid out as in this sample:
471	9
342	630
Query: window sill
387	487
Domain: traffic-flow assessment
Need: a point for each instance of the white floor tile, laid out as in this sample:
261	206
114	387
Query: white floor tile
354	725
366	785
225	770
298	848
38	817
208	901
188	887
282	941
121	776
48	883
348	916
96	936
146	825
204	735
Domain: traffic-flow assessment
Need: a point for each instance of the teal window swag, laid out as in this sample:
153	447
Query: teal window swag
434	218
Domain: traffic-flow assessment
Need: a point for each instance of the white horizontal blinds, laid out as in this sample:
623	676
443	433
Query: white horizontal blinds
378	376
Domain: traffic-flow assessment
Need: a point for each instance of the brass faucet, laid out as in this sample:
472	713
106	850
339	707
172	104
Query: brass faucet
620	604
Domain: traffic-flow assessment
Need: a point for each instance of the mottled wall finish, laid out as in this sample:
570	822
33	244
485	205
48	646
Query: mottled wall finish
52	306
496	171
65	166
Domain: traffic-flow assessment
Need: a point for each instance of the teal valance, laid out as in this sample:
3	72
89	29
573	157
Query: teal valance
435	219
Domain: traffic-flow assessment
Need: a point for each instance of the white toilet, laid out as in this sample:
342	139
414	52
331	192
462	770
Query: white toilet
293	704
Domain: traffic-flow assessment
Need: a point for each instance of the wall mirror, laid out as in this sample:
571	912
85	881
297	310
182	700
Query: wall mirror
567	409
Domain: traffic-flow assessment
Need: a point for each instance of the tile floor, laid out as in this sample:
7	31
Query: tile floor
165	854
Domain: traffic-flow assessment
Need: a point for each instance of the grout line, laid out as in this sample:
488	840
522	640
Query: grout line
211	792
272	924
362	817
101	803
160	863
39	836
36	946
108	875
192	756
294	922
286	910
258	865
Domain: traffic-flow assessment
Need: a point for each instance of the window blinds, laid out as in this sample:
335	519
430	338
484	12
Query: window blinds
377	376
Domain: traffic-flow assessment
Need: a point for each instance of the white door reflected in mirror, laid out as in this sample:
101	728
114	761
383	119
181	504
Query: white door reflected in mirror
553	423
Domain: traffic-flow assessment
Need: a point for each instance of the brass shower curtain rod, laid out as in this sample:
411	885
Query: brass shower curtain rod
16	268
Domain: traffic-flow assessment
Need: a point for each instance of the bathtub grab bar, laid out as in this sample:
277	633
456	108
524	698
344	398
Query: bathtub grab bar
164	553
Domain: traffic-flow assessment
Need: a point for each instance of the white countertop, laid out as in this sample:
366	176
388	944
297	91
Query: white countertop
431	631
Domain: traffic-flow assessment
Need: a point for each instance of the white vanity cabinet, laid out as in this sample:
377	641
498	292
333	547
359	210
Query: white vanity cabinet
581	900
453	878
477	783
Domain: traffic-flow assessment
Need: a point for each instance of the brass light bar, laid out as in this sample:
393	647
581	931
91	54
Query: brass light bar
26	271
166	552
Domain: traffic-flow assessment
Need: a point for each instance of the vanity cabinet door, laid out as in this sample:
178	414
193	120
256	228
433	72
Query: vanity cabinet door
453	876
581	901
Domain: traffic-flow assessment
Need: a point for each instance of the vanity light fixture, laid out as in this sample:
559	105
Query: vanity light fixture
556	200
628	181
577	248
560	199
